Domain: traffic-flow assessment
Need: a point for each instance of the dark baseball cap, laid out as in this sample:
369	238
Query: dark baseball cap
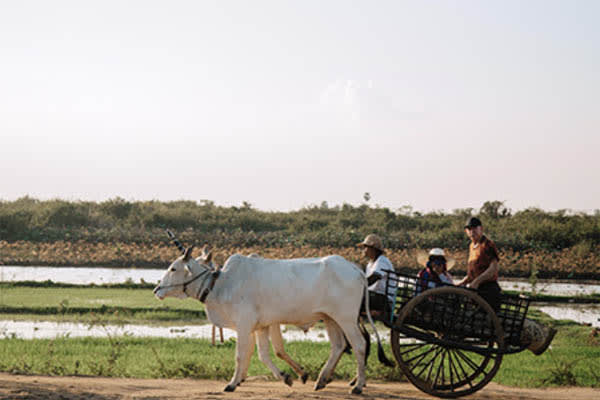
473	222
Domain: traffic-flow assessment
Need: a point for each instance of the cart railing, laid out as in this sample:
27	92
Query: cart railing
513	310
455	316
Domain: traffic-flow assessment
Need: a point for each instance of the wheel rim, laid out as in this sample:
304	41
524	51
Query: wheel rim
432	364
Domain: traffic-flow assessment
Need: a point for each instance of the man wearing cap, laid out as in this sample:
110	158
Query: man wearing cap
377	271
482	265
482	274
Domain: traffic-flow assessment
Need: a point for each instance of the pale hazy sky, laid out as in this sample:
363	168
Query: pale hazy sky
283	104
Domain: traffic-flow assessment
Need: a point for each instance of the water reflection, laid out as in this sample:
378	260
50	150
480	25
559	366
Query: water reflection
79	275
551	288
86	276
582	313
52	330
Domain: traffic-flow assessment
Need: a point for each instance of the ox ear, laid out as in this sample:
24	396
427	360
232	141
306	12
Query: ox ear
187	269
188	253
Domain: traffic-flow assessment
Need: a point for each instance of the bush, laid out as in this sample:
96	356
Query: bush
119	220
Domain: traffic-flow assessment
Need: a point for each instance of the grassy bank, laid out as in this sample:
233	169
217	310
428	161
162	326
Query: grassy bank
125	303
158	358
94	304
573	360
114	304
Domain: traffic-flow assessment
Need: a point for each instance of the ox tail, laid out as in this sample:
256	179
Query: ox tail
380	353
367	337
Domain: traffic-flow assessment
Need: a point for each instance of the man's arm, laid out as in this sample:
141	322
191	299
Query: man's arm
487	275
374	277
463	281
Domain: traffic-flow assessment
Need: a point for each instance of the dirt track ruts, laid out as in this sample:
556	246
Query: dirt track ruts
257	388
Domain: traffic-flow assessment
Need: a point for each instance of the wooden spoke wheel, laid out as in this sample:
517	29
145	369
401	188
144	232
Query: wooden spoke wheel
448	342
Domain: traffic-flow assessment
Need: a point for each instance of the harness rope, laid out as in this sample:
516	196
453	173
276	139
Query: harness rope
184	284
205	292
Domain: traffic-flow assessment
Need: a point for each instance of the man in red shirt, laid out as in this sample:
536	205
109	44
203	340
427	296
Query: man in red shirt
482	265
482	274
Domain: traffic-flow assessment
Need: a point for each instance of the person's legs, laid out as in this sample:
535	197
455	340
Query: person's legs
491	292
536	337
377	303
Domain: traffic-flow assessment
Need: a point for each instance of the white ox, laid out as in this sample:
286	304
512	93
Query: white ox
252	294
274	330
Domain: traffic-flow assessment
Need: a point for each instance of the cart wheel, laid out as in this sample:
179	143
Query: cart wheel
448	342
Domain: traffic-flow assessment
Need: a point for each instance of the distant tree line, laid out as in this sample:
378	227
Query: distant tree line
119	220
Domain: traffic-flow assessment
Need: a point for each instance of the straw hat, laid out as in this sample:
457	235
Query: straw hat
372	240
423	257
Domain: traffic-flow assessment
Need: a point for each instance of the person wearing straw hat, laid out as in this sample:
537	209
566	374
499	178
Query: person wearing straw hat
435	272
378	269
482	274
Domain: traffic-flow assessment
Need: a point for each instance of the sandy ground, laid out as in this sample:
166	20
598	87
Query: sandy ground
85	388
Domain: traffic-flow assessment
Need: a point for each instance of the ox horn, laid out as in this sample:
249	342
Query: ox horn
175	241
188	254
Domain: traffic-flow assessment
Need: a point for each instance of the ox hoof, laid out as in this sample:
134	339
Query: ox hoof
304	377
356	390
229	388
320	385
353	382
287	379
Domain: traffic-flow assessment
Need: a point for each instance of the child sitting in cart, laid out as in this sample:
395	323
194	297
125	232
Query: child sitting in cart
435	272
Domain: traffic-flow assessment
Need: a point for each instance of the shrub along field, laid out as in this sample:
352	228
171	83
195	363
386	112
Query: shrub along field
120	233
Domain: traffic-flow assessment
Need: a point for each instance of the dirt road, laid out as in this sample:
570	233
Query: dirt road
84	388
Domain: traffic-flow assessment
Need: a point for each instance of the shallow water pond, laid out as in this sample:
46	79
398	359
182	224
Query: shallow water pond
582	313
52	330
79	275
86	275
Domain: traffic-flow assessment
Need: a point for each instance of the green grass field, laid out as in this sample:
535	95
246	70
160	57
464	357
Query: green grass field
84	304
573	360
